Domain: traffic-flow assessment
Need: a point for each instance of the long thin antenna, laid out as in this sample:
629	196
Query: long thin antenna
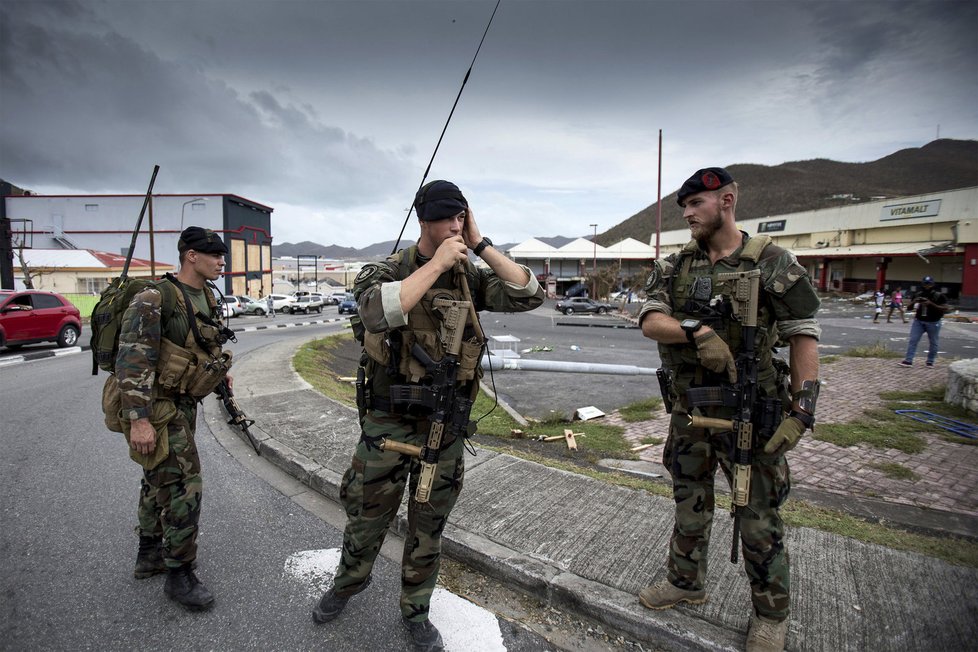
445	128
139	222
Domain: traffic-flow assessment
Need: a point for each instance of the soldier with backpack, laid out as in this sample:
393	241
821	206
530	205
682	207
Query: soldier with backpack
170	357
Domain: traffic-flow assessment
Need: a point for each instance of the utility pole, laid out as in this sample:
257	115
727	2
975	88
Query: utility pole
658	202
594	264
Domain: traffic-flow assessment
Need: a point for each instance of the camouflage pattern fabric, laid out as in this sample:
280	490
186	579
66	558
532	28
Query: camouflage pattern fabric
170	493
692	456
788	304
371	492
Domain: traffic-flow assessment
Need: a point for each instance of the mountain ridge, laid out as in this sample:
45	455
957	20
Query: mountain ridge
791	187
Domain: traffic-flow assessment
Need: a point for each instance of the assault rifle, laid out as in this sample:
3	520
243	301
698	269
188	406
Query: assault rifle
238	417
440	393
742	396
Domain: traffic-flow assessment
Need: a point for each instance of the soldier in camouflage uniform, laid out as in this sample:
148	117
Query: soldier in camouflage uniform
395	307
162	419
687	313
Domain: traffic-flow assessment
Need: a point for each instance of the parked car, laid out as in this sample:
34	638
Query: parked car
232	307
305	303
334	299
582	304
348	305
33	316
251	306
282	302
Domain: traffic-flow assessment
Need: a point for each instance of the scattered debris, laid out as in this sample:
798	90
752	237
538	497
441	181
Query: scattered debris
575	347
569	437
538	349
516	432
641	447
589	412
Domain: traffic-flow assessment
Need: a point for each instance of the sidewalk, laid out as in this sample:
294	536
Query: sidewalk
591	547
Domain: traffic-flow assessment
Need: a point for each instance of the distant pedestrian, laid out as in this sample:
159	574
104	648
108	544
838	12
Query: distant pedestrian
896	303
702	345
270	302
878	299
930	307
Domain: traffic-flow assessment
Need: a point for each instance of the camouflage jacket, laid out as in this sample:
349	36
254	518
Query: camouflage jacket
377	289
788	301
139	345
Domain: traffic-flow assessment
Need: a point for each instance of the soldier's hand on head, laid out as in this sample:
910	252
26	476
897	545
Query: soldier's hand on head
142	436
450	252
785	437
470	232
715	354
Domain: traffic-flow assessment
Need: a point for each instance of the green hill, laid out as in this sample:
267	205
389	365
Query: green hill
820	183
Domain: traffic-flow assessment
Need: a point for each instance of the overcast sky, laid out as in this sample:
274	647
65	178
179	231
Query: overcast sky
329	111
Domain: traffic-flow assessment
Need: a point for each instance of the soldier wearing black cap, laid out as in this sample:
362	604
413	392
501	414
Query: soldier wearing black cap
929	307
397	306
172	323
689	313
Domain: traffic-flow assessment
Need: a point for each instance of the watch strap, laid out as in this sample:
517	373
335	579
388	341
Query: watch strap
479	248
807	420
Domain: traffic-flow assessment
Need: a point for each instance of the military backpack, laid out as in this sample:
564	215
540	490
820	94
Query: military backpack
106	323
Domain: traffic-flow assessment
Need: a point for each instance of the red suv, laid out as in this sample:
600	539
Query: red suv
33	316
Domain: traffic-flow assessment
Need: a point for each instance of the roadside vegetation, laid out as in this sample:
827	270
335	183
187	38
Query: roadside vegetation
323	365
875	350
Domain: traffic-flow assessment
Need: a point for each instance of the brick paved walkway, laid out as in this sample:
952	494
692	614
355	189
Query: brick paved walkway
947	472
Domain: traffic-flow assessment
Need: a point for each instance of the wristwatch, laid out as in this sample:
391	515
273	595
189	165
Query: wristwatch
690	326
479	248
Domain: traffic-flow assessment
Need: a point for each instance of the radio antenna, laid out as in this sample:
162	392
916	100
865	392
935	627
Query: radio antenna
445	128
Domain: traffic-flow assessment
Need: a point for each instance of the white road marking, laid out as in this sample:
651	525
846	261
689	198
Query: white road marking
464	626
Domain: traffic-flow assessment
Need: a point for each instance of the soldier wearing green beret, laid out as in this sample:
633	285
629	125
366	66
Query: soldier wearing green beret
396	300
165	365
688	313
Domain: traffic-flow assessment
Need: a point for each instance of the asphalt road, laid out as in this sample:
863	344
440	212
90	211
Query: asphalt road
67	507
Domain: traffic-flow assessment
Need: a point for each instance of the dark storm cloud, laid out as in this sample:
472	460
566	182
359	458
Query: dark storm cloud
94	110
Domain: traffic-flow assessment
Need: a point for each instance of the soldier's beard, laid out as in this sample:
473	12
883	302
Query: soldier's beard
704	231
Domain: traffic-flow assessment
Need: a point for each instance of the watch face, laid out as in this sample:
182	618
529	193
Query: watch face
689	324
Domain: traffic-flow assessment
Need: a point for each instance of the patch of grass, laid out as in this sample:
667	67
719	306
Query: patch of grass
315	363
829	359
640	410
871	434
895	471
655	441
312	363
882	427
877	350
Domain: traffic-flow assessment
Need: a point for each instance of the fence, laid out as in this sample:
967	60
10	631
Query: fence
84	303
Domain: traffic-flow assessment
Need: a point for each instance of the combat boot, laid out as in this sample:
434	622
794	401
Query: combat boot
665	594
149	559
424	636
766	635
331	604
183	587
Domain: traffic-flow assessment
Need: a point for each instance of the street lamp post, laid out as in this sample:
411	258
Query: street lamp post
594	263
184	208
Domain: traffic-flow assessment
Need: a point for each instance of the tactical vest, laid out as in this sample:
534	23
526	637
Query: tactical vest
195	368
690	301
425	327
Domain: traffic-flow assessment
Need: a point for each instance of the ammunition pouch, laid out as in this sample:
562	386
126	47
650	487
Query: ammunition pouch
164	410
421	400
112	404
180	371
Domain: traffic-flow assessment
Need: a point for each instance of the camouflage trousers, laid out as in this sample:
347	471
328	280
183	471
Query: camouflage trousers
170	493
692	456
371	493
